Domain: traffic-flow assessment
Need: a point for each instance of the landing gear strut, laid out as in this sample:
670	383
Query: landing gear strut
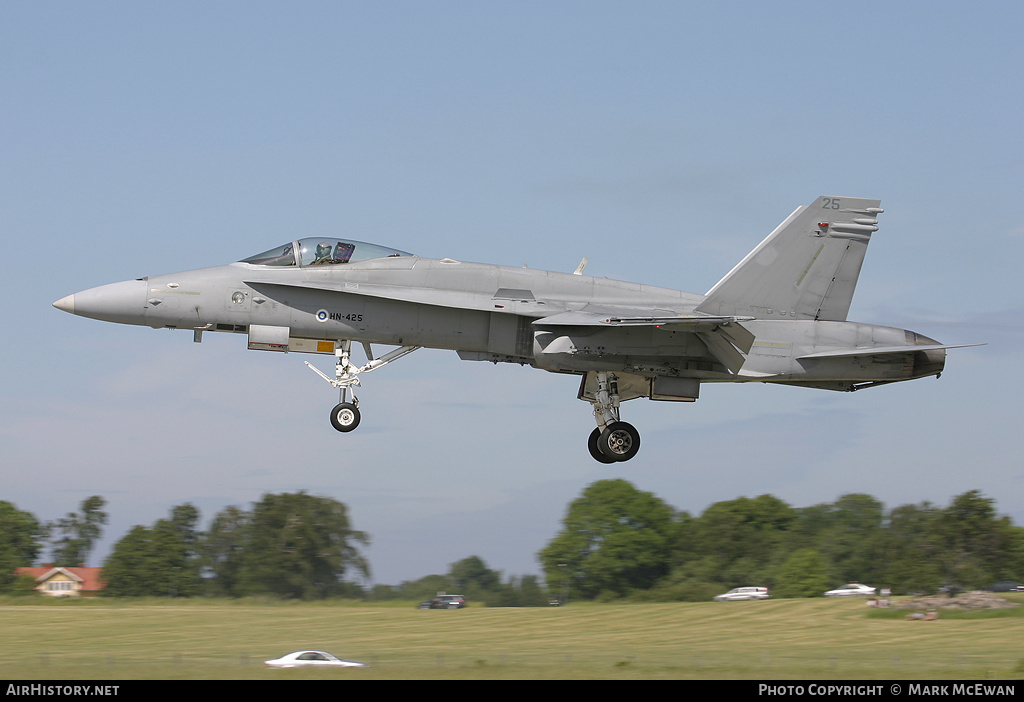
613	440
345	415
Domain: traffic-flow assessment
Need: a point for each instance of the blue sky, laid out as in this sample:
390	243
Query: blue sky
661	140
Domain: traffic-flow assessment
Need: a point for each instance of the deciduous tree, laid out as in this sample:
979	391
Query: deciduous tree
979	546
734	543
802	575
300	546
160	561
223	549
20	534
72	537
614	538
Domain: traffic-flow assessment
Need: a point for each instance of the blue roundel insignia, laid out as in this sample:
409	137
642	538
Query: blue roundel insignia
322	316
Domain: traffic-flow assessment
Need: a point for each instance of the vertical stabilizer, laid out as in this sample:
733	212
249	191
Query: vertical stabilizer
806	269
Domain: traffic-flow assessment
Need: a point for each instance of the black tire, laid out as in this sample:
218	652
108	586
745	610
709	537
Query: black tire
595	451
345	416
619	441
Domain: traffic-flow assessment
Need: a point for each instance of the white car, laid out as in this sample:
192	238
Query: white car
743	593
300	659
851	590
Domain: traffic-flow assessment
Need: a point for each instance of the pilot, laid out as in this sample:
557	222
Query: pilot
323	254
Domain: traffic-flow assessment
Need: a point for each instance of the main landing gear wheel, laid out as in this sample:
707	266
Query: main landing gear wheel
594	450
345	416
619	441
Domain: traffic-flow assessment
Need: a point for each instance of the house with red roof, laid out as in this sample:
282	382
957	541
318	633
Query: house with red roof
58	581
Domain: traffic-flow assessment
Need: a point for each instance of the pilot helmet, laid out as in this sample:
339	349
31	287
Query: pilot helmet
323	250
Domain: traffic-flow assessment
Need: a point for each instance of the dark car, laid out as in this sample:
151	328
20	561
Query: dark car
444	602
1007	586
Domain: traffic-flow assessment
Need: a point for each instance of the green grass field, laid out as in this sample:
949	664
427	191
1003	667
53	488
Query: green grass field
775	639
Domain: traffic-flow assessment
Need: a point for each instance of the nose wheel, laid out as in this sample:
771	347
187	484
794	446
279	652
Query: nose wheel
345	416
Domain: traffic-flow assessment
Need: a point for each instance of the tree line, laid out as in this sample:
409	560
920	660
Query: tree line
292	545
615	542
618	541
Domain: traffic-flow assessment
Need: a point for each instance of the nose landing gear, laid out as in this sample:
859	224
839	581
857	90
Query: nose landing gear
345	415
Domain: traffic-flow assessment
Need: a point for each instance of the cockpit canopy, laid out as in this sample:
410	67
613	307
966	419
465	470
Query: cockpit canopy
322	251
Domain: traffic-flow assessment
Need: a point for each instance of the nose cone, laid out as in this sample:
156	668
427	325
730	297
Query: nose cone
118	302
66	304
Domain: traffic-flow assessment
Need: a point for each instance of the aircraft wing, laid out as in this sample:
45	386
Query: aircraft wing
725	337
636	318
728	326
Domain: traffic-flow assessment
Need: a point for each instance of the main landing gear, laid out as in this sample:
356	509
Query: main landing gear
345	415
613	440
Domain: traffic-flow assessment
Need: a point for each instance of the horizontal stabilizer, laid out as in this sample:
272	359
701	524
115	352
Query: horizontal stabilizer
883	350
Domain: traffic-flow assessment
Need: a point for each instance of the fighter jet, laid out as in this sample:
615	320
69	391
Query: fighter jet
779	316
